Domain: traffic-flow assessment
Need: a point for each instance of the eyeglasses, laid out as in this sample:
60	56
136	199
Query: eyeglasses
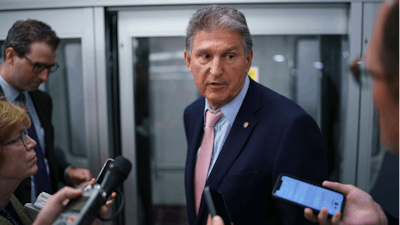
360	73
39	67
21	137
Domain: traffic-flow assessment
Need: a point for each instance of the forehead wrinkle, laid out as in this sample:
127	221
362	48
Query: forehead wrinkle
232	48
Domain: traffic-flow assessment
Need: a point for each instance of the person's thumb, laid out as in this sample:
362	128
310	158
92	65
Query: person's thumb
217	220
344	188
67	193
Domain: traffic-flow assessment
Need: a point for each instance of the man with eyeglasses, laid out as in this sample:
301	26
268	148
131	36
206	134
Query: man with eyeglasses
382	68
30	51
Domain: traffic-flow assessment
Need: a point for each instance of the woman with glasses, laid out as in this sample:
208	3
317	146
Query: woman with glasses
17	162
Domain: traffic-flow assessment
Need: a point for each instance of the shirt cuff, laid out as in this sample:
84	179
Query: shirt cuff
67	182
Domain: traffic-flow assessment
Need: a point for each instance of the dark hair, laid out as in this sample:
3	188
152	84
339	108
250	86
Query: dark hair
218	17
23	33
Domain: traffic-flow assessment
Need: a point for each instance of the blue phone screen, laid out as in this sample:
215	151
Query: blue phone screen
312	196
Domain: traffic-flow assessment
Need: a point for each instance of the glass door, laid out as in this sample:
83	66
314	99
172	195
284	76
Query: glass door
300	56
76	86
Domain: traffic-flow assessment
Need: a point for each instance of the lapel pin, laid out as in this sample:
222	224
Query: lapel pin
246	124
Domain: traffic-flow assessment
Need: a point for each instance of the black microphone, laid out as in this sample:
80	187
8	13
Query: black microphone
85	208
116	173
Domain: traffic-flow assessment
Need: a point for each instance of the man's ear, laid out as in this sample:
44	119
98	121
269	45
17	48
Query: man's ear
187	60
249	59
9	55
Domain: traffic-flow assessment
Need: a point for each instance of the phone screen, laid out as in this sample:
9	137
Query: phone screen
76	205
309	195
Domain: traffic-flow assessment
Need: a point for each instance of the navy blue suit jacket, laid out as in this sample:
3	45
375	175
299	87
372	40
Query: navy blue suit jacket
280	138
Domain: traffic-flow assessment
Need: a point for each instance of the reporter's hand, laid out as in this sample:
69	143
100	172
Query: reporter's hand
78	176
216	220
50	211
104	209
54	205
360	208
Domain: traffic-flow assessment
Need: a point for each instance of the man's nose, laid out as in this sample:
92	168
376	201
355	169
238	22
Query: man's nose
44	75
217	67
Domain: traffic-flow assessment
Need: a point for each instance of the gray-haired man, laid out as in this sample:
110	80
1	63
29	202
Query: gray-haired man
259	135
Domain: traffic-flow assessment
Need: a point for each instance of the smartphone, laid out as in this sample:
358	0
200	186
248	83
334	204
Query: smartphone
303	193
100	177
216	204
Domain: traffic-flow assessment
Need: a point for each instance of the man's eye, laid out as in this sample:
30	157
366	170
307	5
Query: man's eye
39	66
230	56
205	56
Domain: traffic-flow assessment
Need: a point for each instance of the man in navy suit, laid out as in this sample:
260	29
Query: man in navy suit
30	51
260	135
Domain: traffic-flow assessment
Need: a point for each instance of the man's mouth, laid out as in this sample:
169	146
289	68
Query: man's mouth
33	158
215	83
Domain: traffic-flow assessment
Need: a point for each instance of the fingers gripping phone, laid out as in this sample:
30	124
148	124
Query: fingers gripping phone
303	193
216	204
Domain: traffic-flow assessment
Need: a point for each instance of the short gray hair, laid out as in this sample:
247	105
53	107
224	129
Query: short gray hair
218	17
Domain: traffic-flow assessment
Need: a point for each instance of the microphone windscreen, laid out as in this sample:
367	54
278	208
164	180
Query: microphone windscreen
123	166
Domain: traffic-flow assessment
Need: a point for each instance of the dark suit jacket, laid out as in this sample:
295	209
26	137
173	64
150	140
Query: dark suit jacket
391	219
44	106
280	138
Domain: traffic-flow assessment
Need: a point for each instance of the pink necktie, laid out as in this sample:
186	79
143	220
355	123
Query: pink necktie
204	157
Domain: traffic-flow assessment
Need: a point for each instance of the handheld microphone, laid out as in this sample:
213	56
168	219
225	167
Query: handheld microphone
85	208
116	174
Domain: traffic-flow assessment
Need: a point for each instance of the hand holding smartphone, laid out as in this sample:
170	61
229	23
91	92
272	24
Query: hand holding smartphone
306	194
216	204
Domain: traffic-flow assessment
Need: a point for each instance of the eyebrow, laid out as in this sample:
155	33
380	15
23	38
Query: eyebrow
200	50
16	137
41	63
20	132
44	64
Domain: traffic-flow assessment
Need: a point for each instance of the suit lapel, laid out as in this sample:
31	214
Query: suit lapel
235	142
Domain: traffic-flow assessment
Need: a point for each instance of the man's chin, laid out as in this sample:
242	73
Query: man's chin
32	88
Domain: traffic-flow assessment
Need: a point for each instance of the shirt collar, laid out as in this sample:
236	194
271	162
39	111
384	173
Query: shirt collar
9	92
231	109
